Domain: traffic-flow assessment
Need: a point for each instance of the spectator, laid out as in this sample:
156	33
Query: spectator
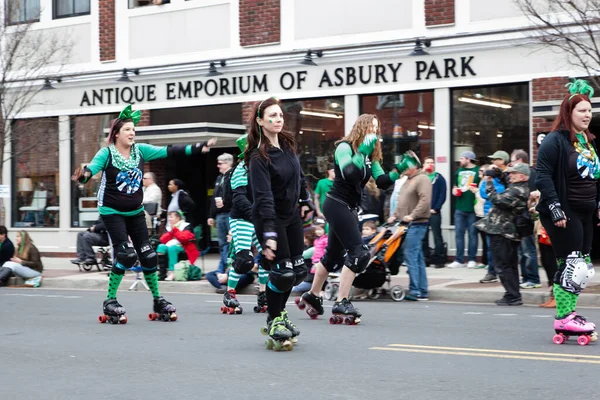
438	198
414	208
95	235
181	200
7	251
372	201
309	250
369	230
26	263
479	214
527	250
466	177
220	205
152	194
178	239
500	225
219	278
322	188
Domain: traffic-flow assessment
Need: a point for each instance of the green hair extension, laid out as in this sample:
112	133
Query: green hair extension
580	86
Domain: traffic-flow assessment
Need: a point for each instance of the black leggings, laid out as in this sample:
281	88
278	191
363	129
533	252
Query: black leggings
290	245
344	234
577	236
548	262
120	229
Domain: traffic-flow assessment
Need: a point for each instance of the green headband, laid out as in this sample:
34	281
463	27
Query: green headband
580	86
127	113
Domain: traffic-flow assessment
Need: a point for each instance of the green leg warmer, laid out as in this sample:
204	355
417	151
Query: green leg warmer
233	280
263	276
114	281
152	281
566	302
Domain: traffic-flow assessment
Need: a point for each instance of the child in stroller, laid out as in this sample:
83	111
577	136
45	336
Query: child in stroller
384	263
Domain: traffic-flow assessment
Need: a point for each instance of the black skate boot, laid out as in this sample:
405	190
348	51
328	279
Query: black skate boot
344	312
290	325
232	305
314	303
113	312
163	310
261	302
280	335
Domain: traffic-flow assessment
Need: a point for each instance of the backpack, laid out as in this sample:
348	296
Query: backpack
194	273
181	270
524	224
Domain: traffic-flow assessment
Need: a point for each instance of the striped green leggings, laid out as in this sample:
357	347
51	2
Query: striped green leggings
243	237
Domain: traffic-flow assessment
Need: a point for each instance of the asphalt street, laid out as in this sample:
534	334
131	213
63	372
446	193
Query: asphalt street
52	347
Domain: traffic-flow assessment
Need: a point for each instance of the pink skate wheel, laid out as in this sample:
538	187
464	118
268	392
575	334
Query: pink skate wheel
102	319
583	340
332	320
300	303
558	339
123	320
173	317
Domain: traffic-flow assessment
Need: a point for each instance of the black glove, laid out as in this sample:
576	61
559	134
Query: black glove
557	212
306	203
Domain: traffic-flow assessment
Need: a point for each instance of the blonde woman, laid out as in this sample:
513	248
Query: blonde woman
26	262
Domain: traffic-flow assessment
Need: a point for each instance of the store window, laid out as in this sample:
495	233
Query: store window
71	8
406	123
19	11
317	124
490	118
88	137
35	173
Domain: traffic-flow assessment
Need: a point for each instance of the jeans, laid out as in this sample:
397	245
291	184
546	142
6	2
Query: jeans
415	261
435	222
245	280
222	230
463	221
528	260
21	270
85	241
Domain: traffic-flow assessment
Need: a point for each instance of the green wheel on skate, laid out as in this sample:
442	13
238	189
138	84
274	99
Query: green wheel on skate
264	331
269	344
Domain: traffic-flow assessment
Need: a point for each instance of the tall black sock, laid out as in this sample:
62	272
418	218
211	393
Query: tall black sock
285	297
273	303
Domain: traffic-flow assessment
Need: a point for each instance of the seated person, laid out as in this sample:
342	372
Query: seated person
369	230
95	235
179	238
26	262
219	278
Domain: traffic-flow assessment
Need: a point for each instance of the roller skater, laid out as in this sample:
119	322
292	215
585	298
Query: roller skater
261	302
312	303
163	311
114	313
280	337
120	202
357	158
242	230
231	303
278	189
344	312
568	175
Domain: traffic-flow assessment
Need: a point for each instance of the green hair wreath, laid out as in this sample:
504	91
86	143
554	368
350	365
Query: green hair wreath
580	86
128	113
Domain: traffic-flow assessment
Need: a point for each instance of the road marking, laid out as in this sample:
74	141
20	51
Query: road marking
505	315
474	352
42	295
540	316
472	313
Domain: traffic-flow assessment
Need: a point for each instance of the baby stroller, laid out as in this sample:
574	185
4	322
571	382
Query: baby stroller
383	264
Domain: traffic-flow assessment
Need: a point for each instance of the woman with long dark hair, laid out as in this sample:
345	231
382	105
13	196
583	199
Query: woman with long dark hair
120	206
357	158
278	189
568	177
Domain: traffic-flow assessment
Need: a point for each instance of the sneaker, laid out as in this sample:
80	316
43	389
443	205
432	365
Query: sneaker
489	278
411	297
422	298
530	285
471	265
456	264
170	276
34	282
506	302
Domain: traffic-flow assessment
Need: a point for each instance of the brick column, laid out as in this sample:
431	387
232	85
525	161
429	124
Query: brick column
247	110
107	30
545	89
260	22
145	119
439	12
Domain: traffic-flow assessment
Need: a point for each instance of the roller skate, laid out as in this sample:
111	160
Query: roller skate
163	310
344	312
280	335
261	301
232	305
574	325
113	312
314	303
291	327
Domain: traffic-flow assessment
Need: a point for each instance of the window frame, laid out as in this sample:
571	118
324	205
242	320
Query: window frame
55	10
7	15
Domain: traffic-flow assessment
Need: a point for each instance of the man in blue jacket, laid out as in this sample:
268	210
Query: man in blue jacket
438	198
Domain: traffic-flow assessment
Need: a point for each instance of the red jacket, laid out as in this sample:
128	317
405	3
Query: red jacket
187	240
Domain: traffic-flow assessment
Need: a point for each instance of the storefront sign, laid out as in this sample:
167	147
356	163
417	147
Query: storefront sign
307	79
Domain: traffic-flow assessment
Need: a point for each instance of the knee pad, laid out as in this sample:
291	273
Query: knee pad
126	256
358	258
281	277
244	262
329	261
148	258
577	274
300	270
